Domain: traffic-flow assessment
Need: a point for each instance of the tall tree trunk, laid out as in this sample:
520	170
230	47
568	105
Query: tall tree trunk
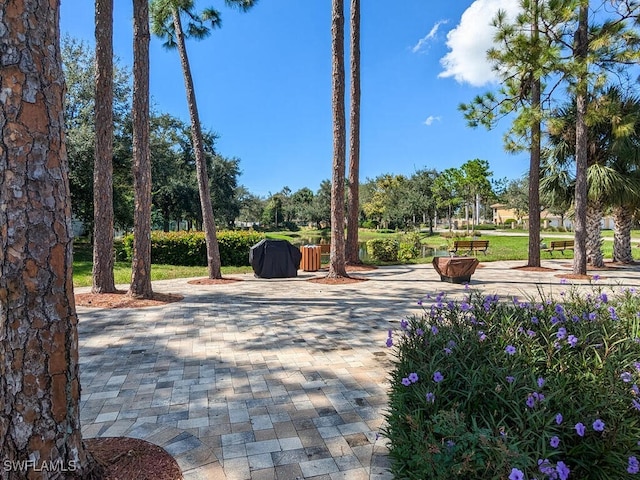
594	238
103	255
580	221
534	181
337	267
213	251
623	220
39	382
353	249
141	265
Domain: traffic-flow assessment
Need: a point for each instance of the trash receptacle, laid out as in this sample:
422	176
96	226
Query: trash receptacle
310	261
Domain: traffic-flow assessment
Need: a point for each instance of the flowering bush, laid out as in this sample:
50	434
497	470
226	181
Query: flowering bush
539	389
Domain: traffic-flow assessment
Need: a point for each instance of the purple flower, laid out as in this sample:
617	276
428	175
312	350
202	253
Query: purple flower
554	442
562	333
612	313
535	320
563	471
389	342
540	382
404	324
406	382
636	404
563	281
434	330
516	474
431	397
598	425
580	429
451	443
634	465
510	379
447	350
558	419
510	349
603	297
419	332
596	277
637	365
437	377
545	467
635	389
482	336
413	377
530	401
626	377
572	340
531	333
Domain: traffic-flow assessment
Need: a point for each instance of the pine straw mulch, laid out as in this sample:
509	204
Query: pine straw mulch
214	281
125	458
120	299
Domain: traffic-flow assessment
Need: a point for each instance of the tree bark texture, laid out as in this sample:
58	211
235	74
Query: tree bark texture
623	223
534	162
581	190
594	238
141	264
103	255
213	251
337	266
39	384
353	211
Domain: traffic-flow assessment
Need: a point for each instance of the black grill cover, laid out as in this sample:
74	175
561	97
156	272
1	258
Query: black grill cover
275	259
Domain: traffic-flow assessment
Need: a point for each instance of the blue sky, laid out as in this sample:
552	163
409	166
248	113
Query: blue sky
263	84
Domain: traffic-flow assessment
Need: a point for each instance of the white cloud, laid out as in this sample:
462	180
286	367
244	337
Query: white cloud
422	43
469	41
430	119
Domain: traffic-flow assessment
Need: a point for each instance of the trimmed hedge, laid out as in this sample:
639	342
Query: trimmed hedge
190	249
384	250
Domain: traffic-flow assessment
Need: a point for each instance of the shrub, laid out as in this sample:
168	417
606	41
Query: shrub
190	249
384	250
485	226
409	247
488	389
370	224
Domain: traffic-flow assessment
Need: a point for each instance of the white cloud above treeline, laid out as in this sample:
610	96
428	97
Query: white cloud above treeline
430	119
469	41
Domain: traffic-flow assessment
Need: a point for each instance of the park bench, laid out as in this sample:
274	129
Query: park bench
470	246
559	246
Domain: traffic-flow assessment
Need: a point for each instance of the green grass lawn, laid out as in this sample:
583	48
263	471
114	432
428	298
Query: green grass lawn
501	247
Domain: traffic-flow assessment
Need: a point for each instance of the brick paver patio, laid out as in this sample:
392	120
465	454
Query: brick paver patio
269	379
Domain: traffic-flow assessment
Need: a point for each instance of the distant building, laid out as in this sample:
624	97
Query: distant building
502	214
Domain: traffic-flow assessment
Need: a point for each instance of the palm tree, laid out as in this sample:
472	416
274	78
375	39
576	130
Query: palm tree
141	263
337	264
103	258
40	384
353	211
167	24
612	164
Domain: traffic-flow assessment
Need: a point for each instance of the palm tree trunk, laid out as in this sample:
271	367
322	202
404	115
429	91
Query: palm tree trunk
353	249
39	369
594	237
623	220
337	264
581	48
141	263
209	224
103	255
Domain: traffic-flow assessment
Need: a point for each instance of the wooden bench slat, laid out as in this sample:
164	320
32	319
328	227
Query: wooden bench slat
470	246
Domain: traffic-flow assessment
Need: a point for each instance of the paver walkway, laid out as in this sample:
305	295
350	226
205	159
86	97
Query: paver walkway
269	379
